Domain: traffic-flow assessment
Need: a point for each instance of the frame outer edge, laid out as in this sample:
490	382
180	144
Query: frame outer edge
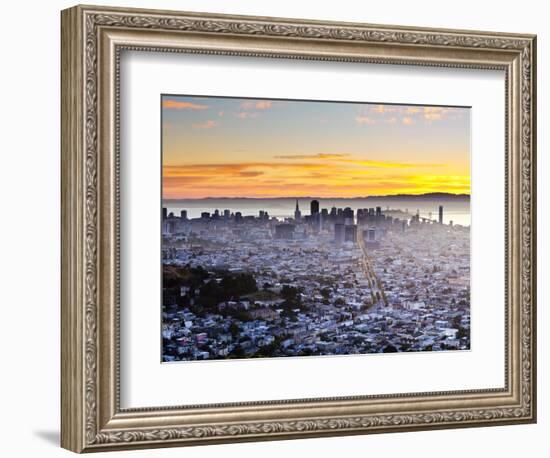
72	229
81	430
533	253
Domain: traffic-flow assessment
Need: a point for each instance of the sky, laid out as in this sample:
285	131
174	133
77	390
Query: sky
236	147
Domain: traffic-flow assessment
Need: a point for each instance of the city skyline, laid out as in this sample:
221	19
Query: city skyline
259	148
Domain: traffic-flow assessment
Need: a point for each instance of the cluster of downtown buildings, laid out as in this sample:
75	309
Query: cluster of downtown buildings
332	282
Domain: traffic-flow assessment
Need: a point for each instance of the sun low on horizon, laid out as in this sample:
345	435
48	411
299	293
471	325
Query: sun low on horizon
263	148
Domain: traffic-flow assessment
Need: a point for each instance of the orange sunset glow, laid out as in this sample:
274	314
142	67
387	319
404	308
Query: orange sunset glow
228	147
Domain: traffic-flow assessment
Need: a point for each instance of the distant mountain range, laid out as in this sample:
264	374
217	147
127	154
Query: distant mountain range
429	195
426	196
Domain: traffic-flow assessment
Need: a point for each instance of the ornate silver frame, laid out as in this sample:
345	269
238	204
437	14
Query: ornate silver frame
92	40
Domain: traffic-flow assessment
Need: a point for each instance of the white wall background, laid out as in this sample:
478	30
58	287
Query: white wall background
29	228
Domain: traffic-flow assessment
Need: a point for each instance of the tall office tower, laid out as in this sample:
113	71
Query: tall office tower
314	207
348	215
183	214
297	212
216	214
164	213
339	233
284	231
372	235
324	218
378	212
333	213
226	214
238	217
350	233
441	214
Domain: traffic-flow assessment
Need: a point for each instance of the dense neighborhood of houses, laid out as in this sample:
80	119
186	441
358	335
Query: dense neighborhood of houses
333	282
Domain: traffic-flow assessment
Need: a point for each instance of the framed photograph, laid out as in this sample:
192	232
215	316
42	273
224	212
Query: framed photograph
278	228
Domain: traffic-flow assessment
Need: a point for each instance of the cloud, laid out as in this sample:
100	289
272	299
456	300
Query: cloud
433	116
252	108
250	173
347	159
247	114
407	115
323	178
171	104
312	156
217	170
388	165
364	120
256	105
205	125
383	109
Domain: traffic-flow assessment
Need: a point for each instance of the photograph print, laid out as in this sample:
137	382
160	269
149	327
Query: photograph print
313	228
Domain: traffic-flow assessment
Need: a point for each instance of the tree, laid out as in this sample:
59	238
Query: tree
289	293
237	352
456	321
234	329
211	294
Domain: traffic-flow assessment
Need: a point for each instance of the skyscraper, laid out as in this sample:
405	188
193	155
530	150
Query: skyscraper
372	234
324	218
348	216
350	233
164	213
183	214
441	214
339	233
297	212
284	231
314	207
